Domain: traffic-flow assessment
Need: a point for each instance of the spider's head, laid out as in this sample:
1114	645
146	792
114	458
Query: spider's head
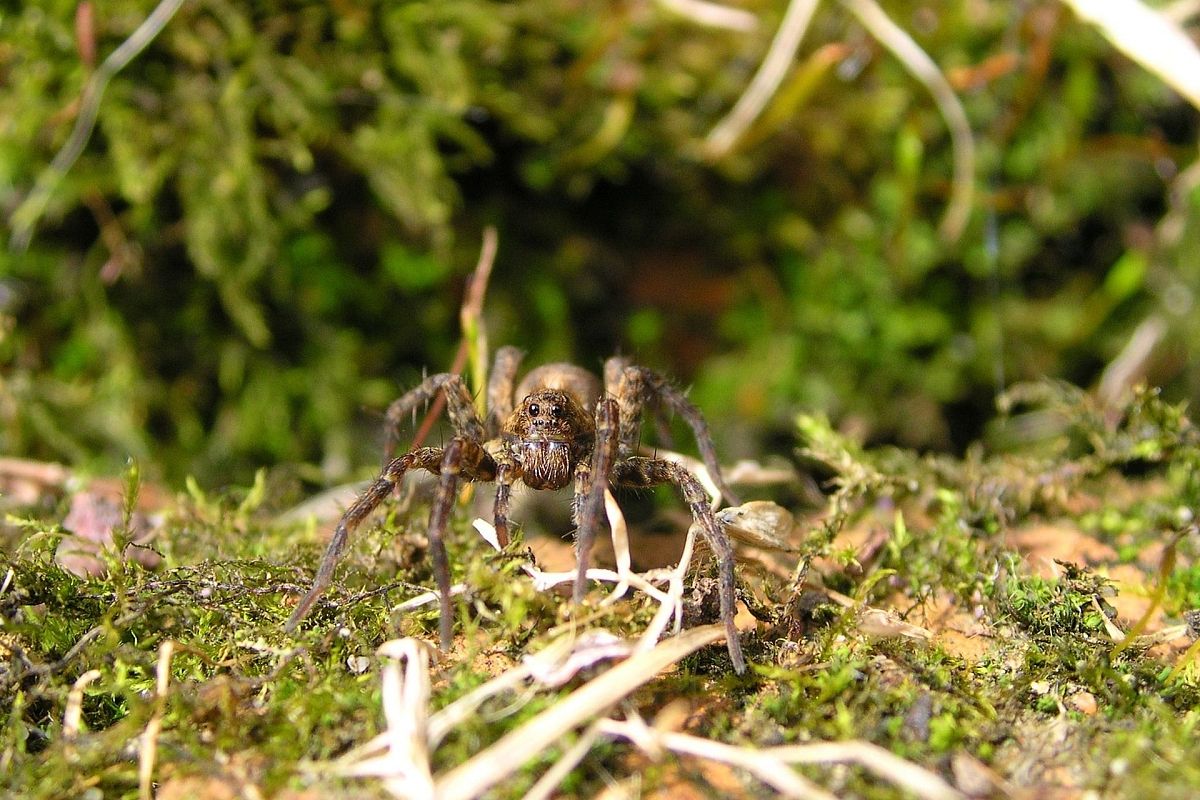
548	434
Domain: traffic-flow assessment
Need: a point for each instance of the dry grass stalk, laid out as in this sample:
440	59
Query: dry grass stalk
73	714
471	315
620	541
426	598
1150	38
923	68
873	758
773	765
544	581
713	15
25	218
672	606
588	701
473	347
403	763
551	778
771	771
149	745
765	82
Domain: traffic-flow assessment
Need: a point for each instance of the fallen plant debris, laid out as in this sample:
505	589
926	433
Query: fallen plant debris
404	763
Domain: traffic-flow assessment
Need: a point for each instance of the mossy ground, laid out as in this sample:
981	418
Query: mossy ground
1021	567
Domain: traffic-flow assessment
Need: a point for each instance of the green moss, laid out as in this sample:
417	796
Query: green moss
241	692
1183	590
287	189
1074	604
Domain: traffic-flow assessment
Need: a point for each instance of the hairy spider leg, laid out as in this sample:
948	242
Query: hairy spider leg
459	404
591	479
500	388
428	458
613	368
638	472
506	475
634	386
462	458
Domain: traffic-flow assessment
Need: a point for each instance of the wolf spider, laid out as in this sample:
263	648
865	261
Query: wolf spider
563	428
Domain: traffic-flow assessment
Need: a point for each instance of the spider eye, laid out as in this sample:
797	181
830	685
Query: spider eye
534	409
556	411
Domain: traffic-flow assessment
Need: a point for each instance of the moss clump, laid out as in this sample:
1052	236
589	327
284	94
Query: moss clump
1075	604
1005	649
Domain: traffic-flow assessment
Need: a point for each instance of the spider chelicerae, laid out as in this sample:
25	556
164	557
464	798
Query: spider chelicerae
565	428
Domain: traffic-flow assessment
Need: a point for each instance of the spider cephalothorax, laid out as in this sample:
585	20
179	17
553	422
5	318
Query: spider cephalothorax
564	428
546	437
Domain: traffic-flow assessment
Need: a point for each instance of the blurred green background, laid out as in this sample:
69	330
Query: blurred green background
266	238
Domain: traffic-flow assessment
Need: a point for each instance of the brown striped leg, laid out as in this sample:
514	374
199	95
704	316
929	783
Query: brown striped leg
428	458
500	388
467	459
634	387
459	405
438	517
591	481
505	476
645	472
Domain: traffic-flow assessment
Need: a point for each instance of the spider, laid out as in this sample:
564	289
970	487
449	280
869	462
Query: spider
564	428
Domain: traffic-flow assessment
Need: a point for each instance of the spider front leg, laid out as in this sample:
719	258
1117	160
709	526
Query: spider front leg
427	458
500	387
646	472
506	475
461	457
464	457
591	479
634	386
461	408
